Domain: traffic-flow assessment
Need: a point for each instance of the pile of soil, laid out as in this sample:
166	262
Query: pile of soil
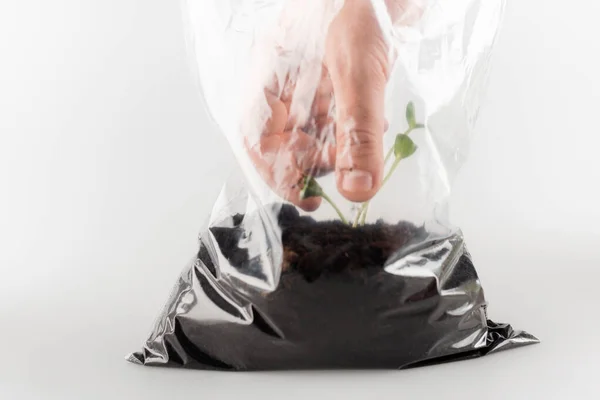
312	248
335	305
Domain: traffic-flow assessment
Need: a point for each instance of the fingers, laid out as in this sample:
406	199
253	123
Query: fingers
284	159
310	113
359	169
359	68
322	121
297	137
279	115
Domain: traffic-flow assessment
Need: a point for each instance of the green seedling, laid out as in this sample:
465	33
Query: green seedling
311	188
403	148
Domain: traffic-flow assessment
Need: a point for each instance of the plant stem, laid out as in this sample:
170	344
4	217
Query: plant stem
335	207
388	156
358	214
362	212
391	171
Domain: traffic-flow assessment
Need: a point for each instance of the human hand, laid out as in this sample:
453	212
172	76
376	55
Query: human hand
353	76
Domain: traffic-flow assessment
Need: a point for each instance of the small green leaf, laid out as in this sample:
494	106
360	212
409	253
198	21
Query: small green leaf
410	115
404	146
419	126
310	188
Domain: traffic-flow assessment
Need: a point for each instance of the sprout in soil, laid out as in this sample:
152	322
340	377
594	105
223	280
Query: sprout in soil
403	148
311	188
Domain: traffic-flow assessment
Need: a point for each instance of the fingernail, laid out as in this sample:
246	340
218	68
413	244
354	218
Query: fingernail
356	180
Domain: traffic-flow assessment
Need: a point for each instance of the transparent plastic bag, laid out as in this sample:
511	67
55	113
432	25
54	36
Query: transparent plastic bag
330	246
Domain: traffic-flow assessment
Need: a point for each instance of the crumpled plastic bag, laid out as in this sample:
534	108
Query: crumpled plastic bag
293	272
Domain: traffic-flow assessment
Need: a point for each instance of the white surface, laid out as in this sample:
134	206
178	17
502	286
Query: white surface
107	168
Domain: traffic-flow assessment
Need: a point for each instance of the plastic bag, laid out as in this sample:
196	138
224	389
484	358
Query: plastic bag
330	246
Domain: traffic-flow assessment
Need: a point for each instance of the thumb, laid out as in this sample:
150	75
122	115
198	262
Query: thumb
357	61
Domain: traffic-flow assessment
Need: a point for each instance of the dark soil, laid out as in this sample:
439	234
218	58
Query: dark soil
335	304
313	248
341	300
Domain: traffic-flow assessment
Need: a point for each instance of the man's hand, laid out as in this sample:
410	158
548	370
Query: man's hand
357	59
355	70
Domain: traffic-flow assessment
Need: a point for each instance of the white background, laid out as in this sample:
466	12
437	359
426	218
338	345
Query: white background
108	166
